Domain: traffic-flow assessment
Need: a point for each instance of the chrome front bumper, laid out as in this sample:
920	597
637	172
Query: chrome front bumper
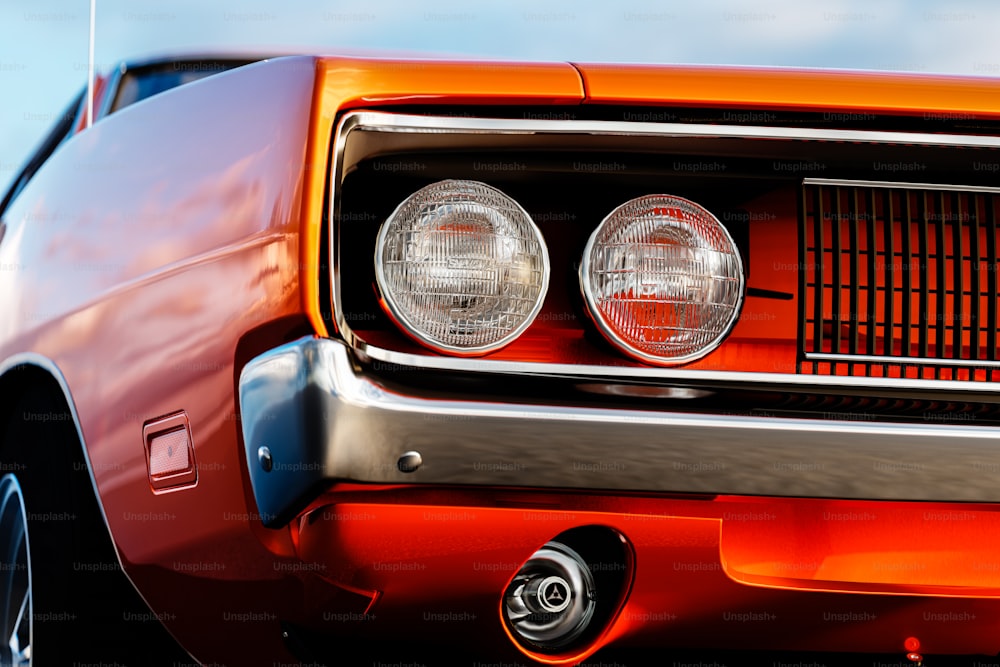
311	416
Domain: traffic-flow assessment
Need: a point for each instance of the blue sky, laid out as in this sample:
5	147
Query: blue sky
43	43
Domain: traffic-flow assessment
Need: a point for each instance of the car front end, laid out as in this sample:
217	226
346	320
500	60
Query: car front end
737	397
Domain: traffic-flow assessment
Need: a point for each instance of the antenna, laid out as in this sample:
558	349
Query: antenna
90	67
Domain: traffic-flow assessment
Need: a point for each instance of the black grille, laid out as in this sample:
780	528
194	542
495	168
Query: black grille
898	282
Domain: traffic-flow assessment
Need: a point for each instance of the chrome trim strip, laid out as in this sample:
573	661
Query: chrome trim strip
902	361
679	377
347	124
323	420
900	185
389	122
378	121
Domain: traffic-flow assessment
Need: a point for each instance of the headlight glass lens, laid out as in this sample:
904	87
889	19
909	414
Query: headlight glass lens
663	279
461	267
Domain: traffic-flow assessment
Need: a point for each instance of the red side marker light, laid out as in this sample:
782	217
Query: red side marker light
169	452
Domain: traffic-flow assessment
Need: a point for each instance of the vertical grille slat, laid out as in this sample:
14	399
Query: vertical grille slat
803	254
912	271
836	260
818	288
975	276
871	317
888	330
923	270
941	287
906	300
958	288
854	314
991	279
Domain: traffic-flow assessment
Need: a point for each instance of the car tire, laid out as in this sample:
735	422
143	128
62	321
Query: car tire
15	575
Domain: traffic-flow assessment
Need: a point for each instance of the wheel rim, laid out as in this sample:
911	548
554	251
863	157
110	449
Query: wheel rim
15	561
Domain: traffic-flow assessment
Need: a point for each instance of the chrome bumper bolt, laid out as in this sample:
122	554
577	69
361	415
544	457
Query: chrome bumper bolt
264	457
409	462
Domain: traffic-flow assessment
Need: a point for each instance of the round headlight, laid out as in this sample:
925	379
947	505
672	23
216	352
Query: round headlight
663	279
461	267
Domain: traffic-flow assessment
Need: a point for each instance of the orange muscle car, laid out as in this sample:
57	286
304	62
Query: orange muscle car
317	357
